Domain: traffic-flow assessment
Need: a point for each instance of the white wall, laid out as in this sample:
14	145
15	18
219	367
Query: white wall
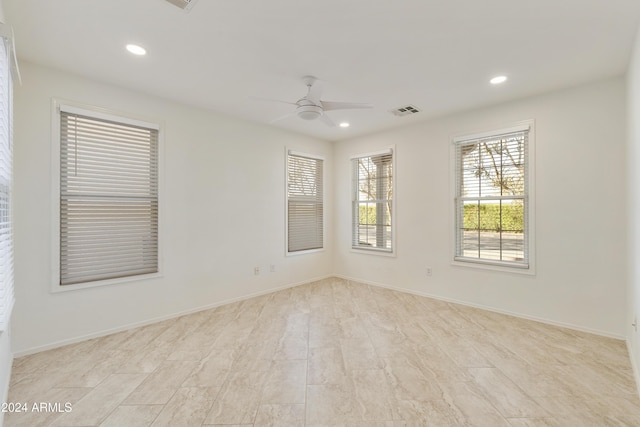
223	212
580	210
633	161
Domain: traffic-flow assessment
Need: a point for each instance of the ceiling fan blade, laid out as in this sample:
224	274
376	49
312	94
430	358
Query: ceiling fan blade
282	117
327	121
255	98
328	105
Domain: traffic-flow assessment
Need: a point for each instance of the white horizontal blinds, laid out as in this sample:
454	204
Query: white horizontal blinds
491	199
372	201
108	199
305	209
6	184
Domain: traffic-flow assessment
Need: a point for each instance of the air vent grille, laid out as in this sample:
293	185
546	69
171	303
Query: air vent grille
183	4
405	110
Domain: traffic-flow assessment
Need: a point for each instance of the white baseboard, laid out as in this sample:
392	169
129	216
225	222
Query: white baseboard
488	308
134	325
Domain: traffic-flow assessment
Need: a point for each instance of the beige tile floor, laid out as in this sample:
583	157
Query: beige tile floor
334	353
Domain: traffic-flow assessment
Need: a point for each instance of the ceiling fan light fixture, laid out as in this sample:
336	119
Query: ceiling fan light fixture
309	112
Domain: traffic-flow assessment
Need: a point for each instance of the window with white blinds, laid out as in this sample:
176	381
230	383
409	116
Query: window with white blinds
492	198
373	201
305	204
6	185
108	197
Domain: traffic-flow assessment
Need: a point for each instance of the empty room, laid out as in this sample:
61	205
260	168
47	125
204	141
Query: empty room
296	213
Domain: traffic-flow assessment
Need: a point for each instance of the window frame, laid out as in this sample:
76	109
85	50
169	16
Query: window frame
288	153
104	114
7	246
529	197
391	150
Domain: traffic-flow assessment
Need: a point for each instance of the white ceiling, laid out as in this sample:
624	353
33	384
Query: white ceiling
435	54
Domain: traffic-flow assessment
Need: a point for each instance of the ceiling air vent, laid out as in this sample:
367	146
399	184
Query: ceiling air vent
404	111
183	4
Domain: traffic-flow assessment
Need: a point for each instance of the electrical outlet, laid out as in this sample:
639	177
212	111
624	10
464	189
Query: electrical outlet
256	271
429	271
272	268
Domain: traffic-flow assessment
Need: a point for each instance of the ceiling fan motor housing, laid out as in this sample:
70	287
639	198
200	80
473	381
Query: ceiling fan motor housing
309	112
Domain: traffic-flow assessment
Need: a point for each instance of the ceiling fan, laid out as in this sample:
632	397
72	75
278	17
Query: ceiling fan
311	107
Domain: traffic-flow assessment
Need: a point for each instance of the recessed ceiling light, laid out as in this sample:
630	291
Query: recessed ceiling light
497	80
136	50
344	125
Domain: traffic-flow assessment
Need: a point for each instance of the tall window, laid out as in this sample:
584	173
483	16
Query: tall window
305	205
6	185
373	201
492	198
108	197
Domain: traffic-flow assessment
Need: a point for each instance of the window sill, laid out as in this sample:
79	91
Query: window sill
373	251
66	288
305	252
494	266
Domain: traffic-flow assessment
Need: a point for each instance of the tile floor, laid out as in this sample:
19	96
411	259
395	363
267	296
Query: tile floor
333	353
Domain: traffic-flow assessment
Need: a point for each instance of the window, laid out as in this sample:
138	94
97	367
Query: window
493	198
305	206
373	201
6	184
108	197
